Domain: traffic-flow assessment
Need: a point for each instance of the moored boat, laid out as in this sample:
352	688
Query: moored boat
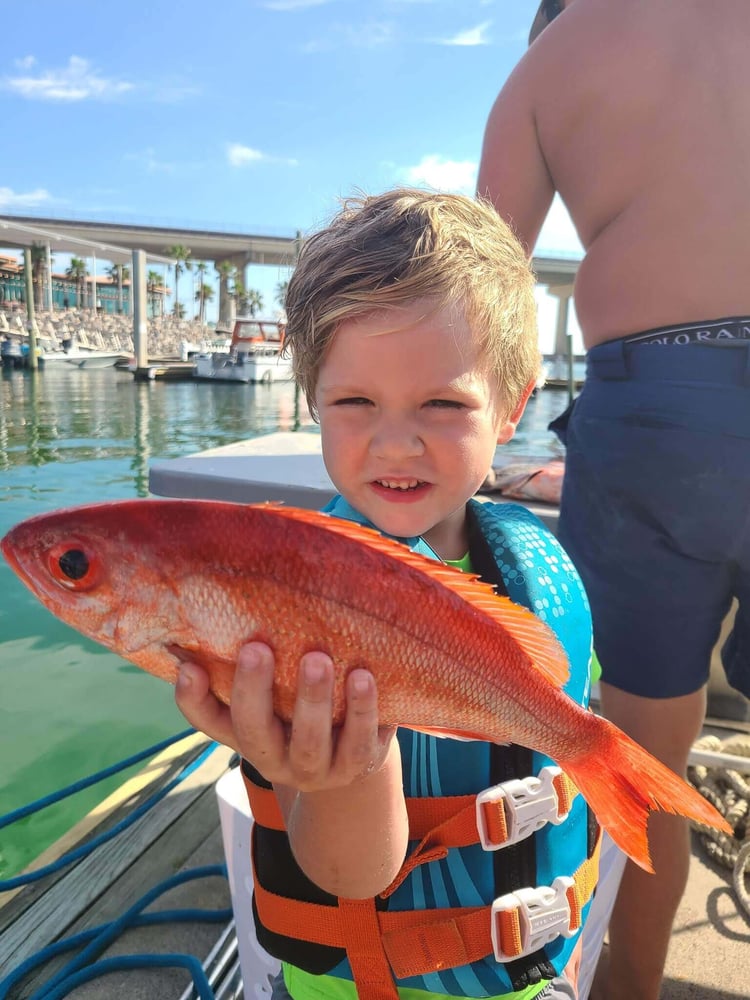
80	357
255	355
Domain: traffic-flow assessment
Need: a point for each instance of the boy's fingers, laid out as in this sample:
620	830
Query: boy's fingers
311	738
201	708
258	731
360	746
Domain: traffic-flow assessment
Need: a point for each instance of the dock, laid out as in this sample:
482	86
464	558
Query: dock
165	371
707	960
180	832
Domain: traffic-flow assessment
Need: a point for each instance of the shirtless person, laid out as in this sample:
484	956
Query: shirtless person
636	112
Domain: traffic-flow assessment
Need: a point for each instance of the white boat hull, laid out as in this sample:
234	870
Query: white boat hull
247	368
80	359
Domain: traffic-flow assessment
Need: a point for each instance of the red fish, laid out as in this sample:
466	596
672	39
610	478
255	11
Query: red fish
161	581
527	481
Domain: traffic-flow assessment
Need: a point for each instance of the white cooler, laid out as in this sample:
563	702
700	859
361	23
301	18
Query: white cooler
258	968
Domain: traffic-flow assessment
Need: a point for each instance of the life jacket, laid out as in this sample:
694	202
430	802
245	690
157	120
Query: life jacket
503	852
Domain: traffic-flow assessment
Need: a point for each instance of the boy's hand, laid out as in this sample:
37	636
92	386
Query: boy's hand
310	755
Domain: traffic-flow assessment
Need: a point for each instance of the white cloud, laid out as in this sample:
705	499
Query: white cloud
442	174
471	36
10	199
78	81
240	156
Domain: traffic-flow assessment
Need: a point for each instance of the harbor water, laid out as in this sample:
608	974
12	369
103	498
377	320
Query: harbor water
68	707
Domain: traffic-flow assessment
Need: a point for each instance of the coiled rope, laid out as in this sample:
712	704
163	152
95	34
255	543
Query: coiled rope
729	792
92	942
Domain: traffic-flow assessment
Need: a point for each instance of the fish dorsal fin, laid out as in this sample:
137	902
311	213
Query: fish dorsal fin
533	636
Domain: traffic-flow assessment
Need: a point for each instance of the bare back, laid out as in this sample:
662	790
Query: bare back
638	113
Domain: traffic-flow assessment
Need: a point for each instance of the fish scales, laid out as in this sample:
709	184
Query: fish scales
161	581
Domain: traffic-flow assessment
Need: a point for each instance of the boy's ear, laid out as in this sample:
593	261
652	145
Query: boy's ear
508	427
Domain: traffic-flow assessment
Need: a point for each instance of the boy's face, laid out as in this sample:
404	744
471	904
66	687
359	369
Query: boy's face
409	421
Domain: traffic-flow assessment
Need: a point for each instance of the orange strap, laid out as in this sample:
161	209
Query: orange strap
380	944
424	814
447	821
409	942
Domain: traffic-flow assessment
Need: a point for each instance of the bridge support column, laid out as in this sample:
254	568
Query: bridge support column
563	365
32	358
140	315
227	308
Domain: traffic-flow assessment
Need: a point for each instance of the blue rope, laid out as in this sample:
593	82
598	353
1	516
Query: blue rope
78	786
93	941
87	848
96	939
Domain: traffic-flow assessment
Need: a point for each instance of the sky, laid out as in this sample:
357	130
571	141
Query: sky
255	115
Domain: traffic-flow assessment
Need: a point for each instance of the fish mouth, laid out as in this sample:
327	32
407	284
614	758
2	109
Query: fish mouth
8	553
12	554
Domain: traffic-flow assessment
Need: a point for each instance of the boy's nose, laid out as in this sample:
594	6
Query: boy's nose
396	439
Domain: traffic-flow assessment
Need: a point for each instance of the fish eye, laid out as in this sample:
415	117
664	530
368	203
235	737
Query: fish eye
74	564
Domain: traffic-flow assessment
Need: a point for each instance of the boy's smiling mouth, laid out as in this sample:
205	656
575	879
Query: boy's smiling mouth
400	490
400	484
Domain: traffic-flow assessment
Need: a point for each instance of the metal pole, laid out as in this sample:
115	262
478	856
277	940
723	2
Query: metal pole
32	360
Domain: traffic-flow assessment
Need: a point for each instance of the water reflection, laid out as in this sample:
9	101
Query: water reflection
79	416
141	450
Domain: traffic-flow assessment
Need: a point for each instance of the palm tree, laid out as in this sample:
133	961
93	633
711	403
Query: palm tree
78	272
119	273
179	255
281	290
201	269
204	294
39	275
153	291
249	300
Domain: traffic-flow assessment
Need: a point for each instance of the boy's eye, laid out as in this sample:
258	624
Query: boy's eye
353	401
446	404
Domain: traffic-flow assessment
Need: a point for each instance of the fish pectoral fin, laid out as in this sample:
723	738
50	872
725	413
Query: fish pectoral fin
187	654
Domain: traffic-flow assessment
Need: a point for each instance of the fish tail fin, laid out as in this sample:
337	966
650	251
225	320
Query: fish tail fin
624	783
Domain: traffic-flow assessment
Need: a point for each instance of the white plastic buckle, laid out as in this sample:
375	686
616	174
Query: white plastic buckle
543	913
529	803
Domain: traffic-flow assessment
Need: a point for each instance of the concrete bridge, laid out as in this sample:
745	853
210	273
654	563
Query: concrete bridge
116	242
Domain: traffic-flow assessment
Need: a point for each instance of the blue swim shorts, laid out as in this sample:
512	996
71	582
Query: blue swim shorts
655	509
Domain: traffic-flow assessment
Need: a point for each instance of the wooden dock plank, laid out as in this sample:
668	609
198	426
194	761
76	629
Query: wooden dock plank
159	771
53	912
172	851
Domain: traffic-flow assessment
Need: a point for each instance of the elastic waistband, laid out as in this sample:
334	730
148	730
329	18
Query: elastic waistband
720	355
715	331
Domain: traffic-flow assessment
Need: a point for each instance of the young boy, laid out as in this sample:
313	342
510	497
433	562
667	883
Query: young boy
412	328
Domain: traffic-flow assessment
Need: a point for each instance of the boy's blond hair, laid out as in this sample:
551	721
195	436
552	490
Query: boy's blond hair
387	250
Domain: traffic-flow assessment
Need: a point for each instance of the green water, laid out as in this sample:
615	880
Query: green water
67	706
